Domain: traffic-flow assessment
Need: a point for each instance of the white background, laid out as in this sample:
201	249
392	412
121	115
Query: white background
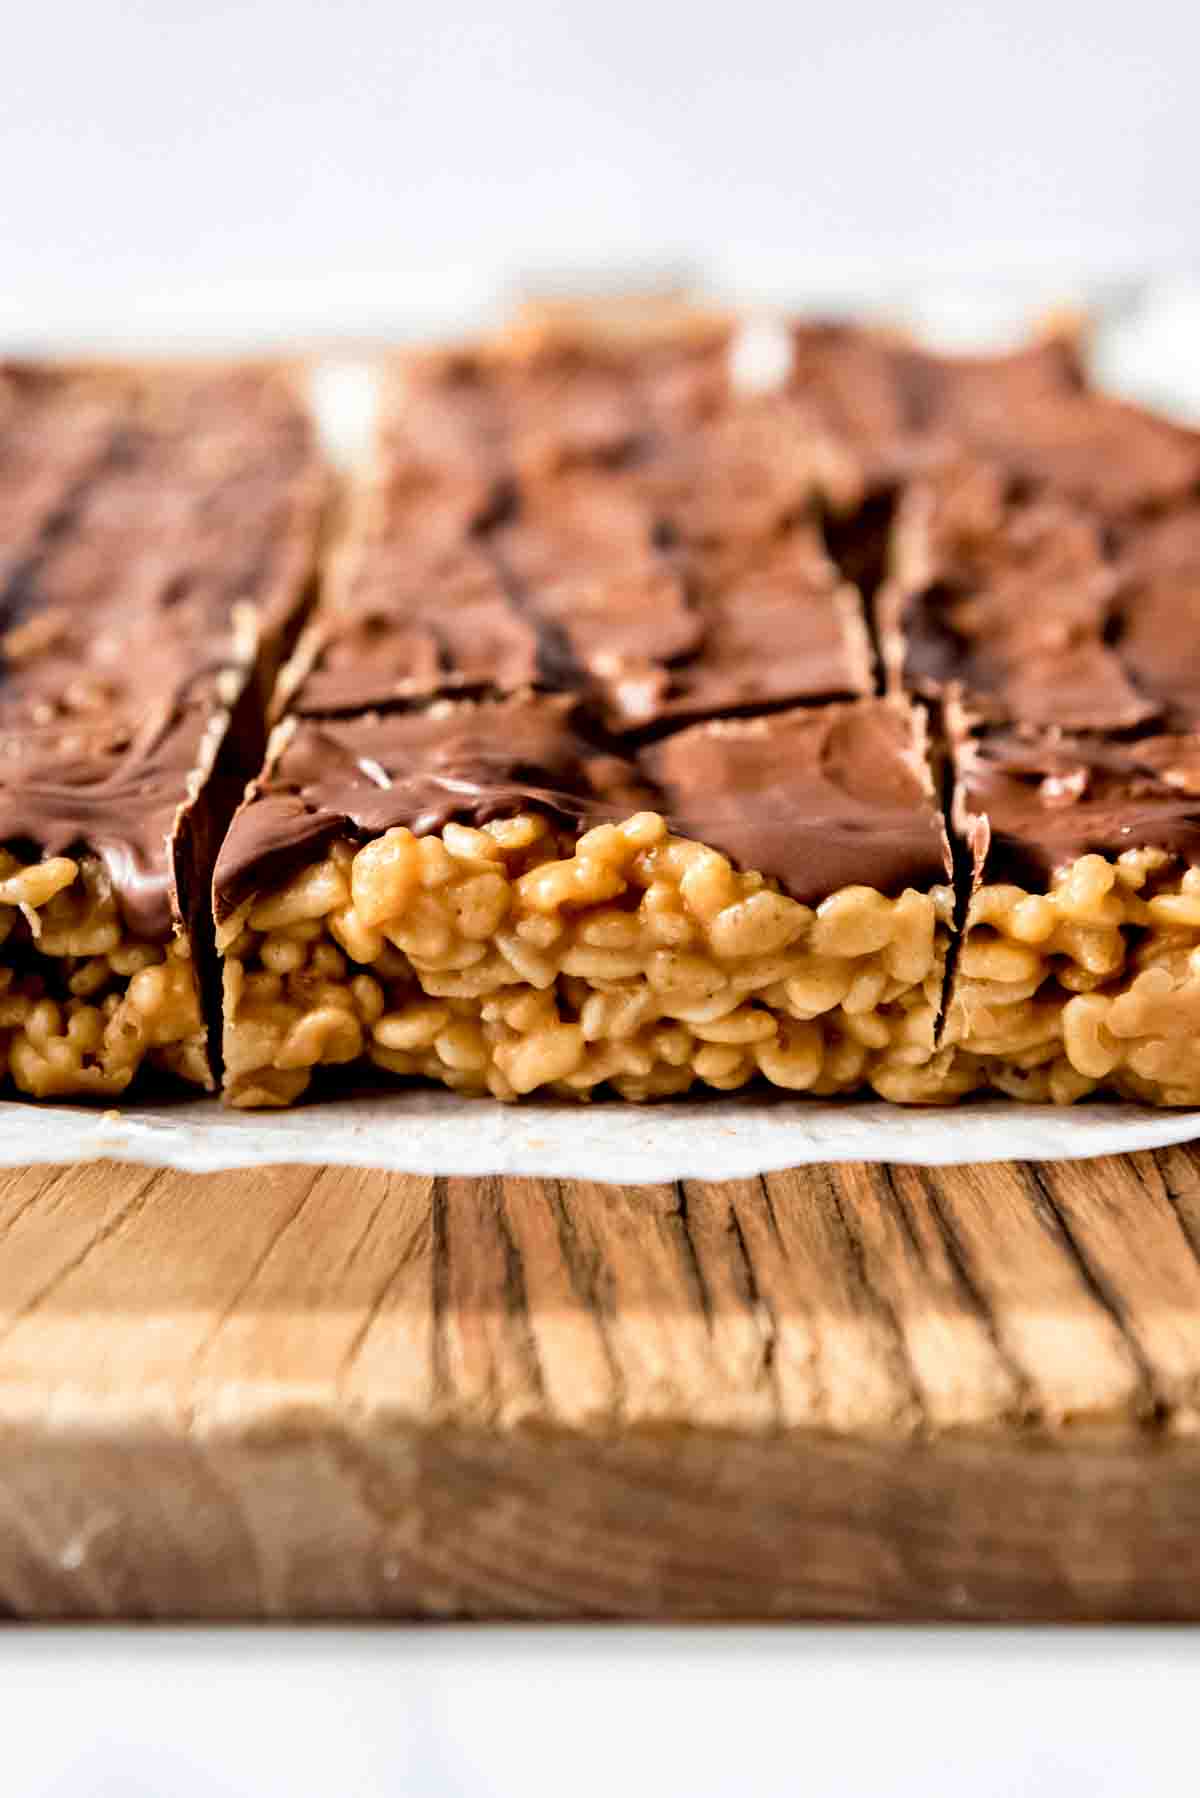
493	1713
222	168
155	151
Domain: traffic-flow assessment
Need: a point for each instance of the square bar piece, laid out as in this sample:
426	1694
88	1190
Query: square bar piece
609	521
897	407
1080	968
1015	605
493	896
1032	412
1057	644
898	412
157	535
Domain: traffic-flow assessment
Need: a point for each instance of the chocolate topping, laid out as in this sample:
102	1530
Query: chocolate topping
52	433
774	630
416	628
1155	623
819	799
901	408
1031	412
488	416
850	378
155	524
466	762
1164	545
823	799
1009	604
1082	444
615	525
600	542
1032	806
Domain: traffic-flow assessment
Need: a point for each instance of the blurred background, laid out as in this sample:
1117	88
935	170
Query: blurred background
225	172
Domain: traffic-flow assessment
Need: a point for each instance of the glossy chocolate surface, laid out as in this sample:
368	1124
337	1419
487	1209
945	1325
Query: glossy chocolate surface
1031	806
820	798
1010	604
624	529
156	526
1031	411
1042	613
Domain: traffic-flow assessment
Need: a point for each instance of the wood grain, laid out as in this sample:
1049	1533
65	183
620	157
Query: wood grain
852	1391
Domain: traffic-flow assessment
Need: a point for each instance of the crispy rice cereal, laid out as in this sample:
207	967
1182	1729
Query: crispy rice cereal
83	1004
516	959
1093	985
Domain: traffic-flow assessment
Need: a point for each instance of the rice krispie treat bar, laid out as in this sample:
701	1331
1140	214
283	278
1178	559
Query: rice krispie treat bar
598	543
556	674
157	533
1045	602
1080	965
489	895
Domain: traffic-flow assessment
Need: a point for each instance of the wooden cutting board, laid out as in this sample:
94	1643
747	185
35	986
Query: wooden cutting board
853	1391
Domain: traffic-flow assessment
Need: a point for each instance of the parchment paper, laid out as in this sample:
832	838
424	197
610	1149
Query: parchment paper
432	1132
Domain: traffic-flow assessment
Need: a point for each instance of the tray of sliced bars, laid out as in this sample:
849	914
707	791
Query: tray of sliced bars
790	726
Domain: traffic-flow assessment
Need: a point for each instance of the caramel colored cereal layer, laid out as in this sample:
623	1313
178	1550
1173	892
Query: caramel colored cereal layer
515	959
1091	986
84	1003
